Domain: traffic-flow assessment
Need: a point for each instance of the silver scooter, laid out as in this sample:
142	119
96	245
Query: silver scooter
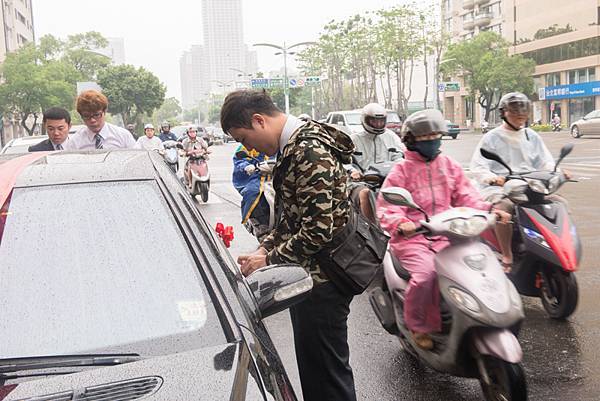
481	309
171	154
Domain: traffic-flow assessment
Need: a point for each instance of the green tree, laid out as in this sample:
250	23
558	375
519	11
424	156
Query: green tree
131	92
31	85
214	114
488	69
169	111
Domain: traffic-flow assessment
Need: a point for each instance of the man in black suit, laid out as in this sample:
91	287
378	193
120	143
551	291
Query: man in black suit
57	123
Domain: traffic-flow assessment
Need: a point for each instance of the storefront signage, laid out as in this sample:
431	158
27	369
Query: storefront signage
570	91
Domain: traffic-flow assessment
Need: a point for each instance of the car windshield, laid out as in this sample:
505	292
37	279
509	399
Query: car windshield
393	117
99	267
353	118
592	114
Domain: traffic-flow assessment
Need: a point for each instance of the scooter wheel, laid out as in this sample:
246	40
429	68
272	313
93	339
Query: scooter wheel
559	293
204	192
506	380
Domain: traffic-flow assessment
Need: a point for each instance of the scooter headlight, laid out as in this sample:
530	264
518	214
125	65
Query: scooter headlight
464	300
536	237
553	184
538	186
468	227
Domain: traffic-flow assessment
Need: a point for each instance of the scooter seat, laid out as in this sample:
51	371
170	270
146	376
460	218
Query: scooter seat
400	270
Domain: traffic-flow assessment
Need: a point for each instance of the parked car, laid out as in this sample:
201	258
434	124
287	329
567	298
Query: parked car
116	316
348	119
453	129
21	145
394	122
588	125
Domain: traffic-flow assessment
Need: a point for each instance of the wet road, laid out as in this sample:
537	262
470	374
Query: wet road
562	359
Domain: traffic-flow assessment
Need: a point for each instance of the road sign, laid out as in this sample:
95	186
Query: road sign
451	86
441	87
312	81
259	83
293	83
276	83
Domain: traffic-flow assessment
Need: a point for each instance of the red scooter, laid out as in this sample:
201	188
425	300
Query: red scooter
197	177
546	247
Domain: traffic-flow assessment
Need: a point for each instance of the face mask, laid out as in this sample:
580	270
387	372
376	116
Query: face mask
428	149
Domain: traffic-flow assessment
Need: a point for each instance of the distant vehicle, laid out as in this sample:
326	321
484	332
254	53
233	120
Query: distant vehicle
350	119
453	129
21	145
394	122
588	125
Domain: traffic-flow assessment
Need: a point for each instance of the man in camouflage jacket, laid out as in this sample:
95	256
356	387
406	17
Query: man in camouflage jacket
312	206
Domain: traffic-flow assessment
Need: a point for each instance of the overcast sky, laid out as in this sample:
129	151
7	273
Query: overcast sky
157	32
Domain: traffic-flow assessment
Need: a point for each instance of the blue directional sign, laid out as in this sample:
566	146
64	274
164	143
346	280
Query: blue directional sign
570	91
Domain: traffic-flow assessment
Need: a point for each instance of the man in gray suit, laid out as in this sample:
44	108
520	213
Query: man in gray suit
57	123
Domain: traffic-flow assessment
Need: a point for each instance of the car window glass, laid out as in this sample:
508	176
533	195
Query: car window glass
353	119
393	117
590	115
90	267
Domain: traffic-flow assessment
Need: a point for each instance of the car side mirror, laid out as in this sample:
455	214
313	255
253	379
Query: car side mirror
277	287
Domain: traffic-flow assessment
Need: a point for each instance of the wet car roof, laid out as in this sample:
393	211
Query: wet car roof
89	166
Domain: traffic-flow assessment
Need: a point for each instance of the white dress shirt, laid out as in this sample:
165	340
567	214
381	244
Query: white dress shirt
146	143
63	145
291	125
113	137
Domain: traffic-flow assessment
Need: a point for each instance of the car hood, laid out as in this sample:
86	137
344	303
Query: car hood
203	374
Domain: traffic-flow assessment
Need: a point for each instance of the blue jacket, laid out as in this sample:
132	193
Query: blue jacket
167	136
249	186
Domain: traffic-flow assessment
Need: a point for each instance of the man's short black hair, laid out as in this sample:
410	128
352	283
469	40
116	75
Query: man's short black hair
56	113
239	107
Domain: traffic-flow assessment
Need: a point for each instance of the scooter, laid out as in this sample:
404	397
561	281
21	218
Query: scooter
171	154
261	224
481	309
196	172
546	247
556	127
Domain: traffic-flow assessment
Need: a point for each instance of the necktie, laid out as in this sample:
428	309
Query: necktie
98	141
59	147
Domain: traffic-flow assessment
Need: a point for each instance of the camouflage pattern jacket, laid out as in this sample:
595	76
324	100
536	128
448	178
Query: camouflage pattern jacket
312	200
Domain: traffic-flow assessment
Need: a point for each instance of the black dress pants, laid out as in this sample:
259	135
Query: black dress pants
321	342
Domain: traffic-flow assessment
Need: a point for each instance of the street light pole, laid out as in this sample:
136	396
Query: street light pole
285	51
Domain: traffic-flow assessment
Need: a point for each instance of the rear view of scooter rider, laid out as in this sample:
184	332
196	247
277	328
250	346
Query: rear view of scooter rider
521	148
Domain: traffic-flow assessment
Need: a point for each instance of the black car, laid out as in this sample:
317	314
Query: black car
113	287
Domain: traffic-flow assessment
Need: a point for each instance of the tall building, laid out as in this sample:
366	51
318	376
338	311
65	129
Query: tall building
195	82
563	38
224	62
17	25
115	50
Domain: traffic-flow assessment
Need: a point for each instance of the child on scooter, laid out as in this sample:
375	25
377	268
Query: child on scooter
437	183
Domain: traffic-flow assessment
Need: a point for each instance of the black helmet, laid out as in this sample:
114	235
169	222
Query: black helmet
515	102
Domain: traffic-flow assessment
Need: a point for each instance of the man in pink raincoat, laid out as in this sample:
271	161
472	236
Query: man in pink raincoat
437	183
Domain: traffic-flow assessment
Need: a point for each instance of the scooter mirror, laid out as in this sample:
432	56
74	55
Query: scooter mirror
392	150
399	196
564	151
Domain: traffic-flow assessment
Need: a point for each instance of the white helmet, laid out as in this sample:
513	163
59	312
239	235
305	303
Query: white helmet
373	118
148	126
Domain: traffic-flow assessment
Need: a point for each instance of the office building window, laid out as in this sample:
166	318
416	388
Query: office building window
579	107
566	51
553	79
582	75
